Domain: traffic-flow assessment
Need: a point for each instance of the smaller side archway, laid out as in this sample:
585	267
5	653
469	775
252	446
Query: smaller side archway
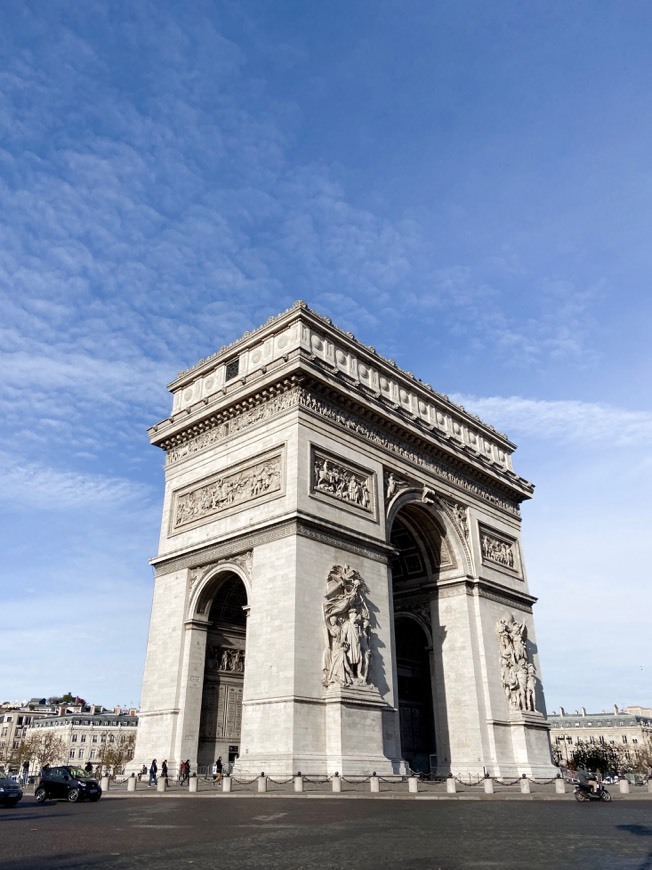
223	603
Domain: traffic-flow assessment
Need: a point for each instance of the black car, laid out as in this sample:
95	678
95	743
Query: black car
10	791
67	783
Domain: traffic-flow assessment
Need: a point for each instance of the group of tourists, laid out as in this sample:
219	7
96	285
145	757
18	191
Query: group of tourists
184	772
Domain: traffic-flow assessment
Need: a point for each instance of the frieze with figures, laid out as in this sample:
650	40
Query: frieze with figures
227	659
236	423
255	482
346	483
398	447
499	550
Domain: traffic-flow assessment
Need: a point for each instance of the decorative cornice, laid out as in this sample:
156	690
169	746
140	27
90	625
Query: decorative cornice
204	557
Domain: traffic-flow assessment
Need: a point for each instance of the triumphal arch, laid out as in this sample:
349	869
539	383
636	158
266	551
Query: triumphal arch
339	584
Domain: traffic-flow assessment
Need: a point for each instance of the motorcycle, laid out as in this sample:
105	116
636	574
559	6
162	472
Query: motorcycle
586	793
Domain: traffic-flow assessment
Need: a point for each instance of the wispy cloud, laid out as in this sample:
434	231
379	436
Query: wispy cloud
573	421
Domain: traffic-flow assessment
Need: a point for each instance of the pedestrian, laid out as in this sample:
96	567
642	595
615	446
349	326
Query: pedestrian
186	771
143	772
25	772
164	769
88	767
153	770
217	770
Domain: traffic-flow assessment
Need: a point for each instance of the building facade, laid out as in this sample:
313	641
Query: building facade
629	733
103	739
339	582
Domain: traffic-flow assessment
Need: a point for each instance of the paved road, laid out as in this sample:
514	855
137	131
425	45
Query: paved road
325	834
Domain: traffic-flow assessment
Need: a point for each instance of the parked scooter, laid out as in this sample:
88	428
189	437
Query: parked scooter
586	793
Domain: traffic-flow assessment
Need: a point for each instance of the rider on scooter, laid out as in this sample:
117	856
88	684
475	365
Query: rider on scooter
587	778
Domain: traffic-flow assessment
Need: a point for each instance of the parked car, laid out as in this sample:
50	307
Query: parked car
67	783
10	790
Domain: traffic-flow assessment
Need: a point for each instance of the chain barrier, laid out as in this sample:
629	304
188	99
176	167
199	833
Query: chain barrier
321	780
356	781
469	783
542	781
244	781
280	781
506	781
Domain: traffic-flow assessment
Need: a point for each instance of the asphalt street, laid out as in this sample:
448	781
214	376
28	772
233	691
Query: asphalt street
323	834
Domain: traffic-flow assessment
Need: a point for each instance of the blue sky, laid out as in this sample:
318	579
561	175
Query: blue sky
465	186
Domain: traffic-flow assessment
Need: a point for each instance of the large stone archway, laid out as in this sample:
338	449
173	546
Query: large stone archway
354	503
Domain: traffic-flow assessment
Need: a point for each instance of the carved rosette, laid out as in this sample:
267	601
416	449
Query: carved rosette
347	654
517	670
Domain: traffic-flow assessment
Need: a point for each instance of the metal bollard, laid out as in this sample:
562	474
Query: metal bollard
337	783
193	783
374	783
488	786
560	786
262	783
298	782
623	785
413	785
105	783
525	785
162	784
131	783
226	783
451	785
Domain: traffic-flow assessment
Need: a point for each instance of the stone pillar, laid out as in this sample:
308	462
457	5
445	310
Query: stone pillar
131	783
560	786
193	783
162	784
105	783
226	783
190	690
298	782
525	785
488	786
623	785
374	784
413	785
337	784
649	785
451	785
262	783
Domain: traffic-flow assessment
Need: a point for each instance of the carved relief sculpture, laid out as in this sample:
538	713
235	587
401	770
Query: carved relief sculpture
347	655
228	490
518	672
341	482
226	659
501	552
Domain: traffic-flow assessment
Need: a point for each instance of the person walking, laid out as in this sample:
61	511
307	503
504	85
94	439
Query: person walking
217	770
164	769
153	770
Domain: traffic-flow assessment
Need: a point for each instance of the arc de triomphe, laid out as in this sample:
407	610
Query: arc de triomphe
339	583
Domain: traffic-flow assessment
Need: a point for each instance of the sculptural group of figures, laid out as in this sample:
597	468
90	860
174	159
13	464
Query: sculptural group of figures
341	483
347	656
518	673
227	659
227	491
498	551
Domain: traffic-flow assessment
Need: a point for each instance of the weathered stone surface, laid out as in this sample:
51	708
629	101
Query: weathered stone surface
297	457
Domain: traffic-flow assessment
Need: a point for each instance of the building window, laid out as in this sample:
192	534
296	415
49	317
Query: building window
634	740
232	369
82	739
92	755
624	738
601	739
81	753
72	753
74	738
94	738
